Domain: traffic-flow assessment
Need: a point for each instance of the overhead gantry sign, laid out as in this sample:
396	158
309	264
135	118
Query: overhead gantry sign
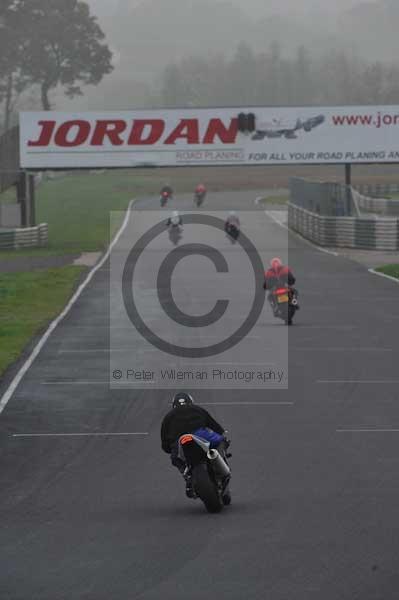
220	136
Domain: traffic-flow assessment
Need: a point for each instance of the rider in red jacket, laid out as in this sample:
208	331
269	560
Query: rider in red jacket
278	275
200	189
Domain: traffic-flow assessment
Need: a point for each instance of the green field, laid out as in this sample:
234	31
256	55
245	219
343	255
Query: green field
391	270
9	196
28	301
77	209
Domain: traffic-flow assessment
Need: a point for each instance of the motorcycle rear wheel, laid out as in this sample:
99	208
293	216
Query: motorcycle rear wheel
206	489
291	312
226	498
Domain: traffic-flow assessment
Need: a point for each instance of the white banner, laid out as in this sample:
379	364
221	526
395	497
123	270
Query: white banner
182	137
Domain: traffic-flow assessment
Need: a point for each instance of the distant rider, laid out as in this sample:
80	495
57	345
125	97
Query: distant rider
200	190
175	220
186	417
167	190
278	275
232	221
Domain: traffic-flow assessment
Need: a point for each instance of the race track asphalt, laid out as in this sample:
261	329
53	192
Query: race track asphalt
315	510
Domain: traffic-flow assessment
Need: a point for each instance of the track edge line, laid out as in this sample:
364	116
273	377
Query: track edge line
374	272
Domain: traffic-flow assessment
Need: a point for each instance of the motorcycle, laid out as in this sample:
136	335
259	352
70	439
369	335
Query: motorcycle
165	196
199	197
210	473
232	230
175	233
284	301
175	227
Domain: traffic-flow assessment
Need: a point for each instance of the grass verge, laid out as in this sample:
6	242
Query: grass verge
28	302
391	270
9	196
280	200
77	209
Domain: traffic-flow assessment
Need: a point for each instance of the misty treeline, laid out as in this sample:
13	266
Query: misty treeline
271	78
45	44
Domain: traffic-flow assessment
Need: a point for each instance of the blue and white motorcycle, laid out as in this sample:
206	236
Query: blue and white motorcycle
205	454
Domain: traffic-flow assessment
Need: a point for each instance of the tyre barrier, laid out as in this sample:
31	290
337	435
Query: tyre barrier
29	237
366	233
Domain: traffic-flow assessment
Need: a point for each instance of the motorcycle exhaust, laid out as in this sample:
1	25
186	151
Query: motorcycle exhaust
219	466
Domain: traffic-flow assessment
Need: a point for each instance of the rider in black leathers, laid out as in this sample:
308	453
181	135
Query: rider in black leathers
185	417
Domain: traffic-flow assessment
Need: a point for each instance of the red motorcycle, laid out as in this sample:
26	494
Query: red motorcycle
284	302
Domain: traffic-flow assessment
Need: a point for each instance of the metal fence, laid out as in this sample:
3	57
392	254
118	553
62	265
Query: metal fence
9	158
31	237
367	233
377	190
336	215
371	205
325	199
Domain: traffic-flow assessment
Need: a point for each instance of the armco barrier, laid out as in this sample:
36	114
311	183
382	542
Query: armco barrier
31	237
323	198
367	233
380	206
377	190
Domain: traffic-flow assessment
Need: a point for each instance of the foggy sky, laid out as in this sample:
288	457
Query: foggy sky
147	35
255	8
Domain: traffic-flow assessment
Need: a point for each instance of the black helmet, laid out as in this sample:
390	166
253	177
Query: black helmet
182	399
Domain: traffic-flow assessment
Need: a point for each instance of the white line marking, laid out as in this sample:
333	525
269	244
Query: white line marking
103	434
87	351
330	326
232	364
374	272
246	403
95	326
102	350
35	352
342	349
284	226
358	381
124	350
367	430
108	382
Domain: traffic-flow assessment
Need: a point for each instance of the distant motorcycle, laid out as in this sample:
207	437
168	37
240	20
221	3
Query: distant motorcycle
199	197
284	302
209	471
175	234
175	228
232	230
165	196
